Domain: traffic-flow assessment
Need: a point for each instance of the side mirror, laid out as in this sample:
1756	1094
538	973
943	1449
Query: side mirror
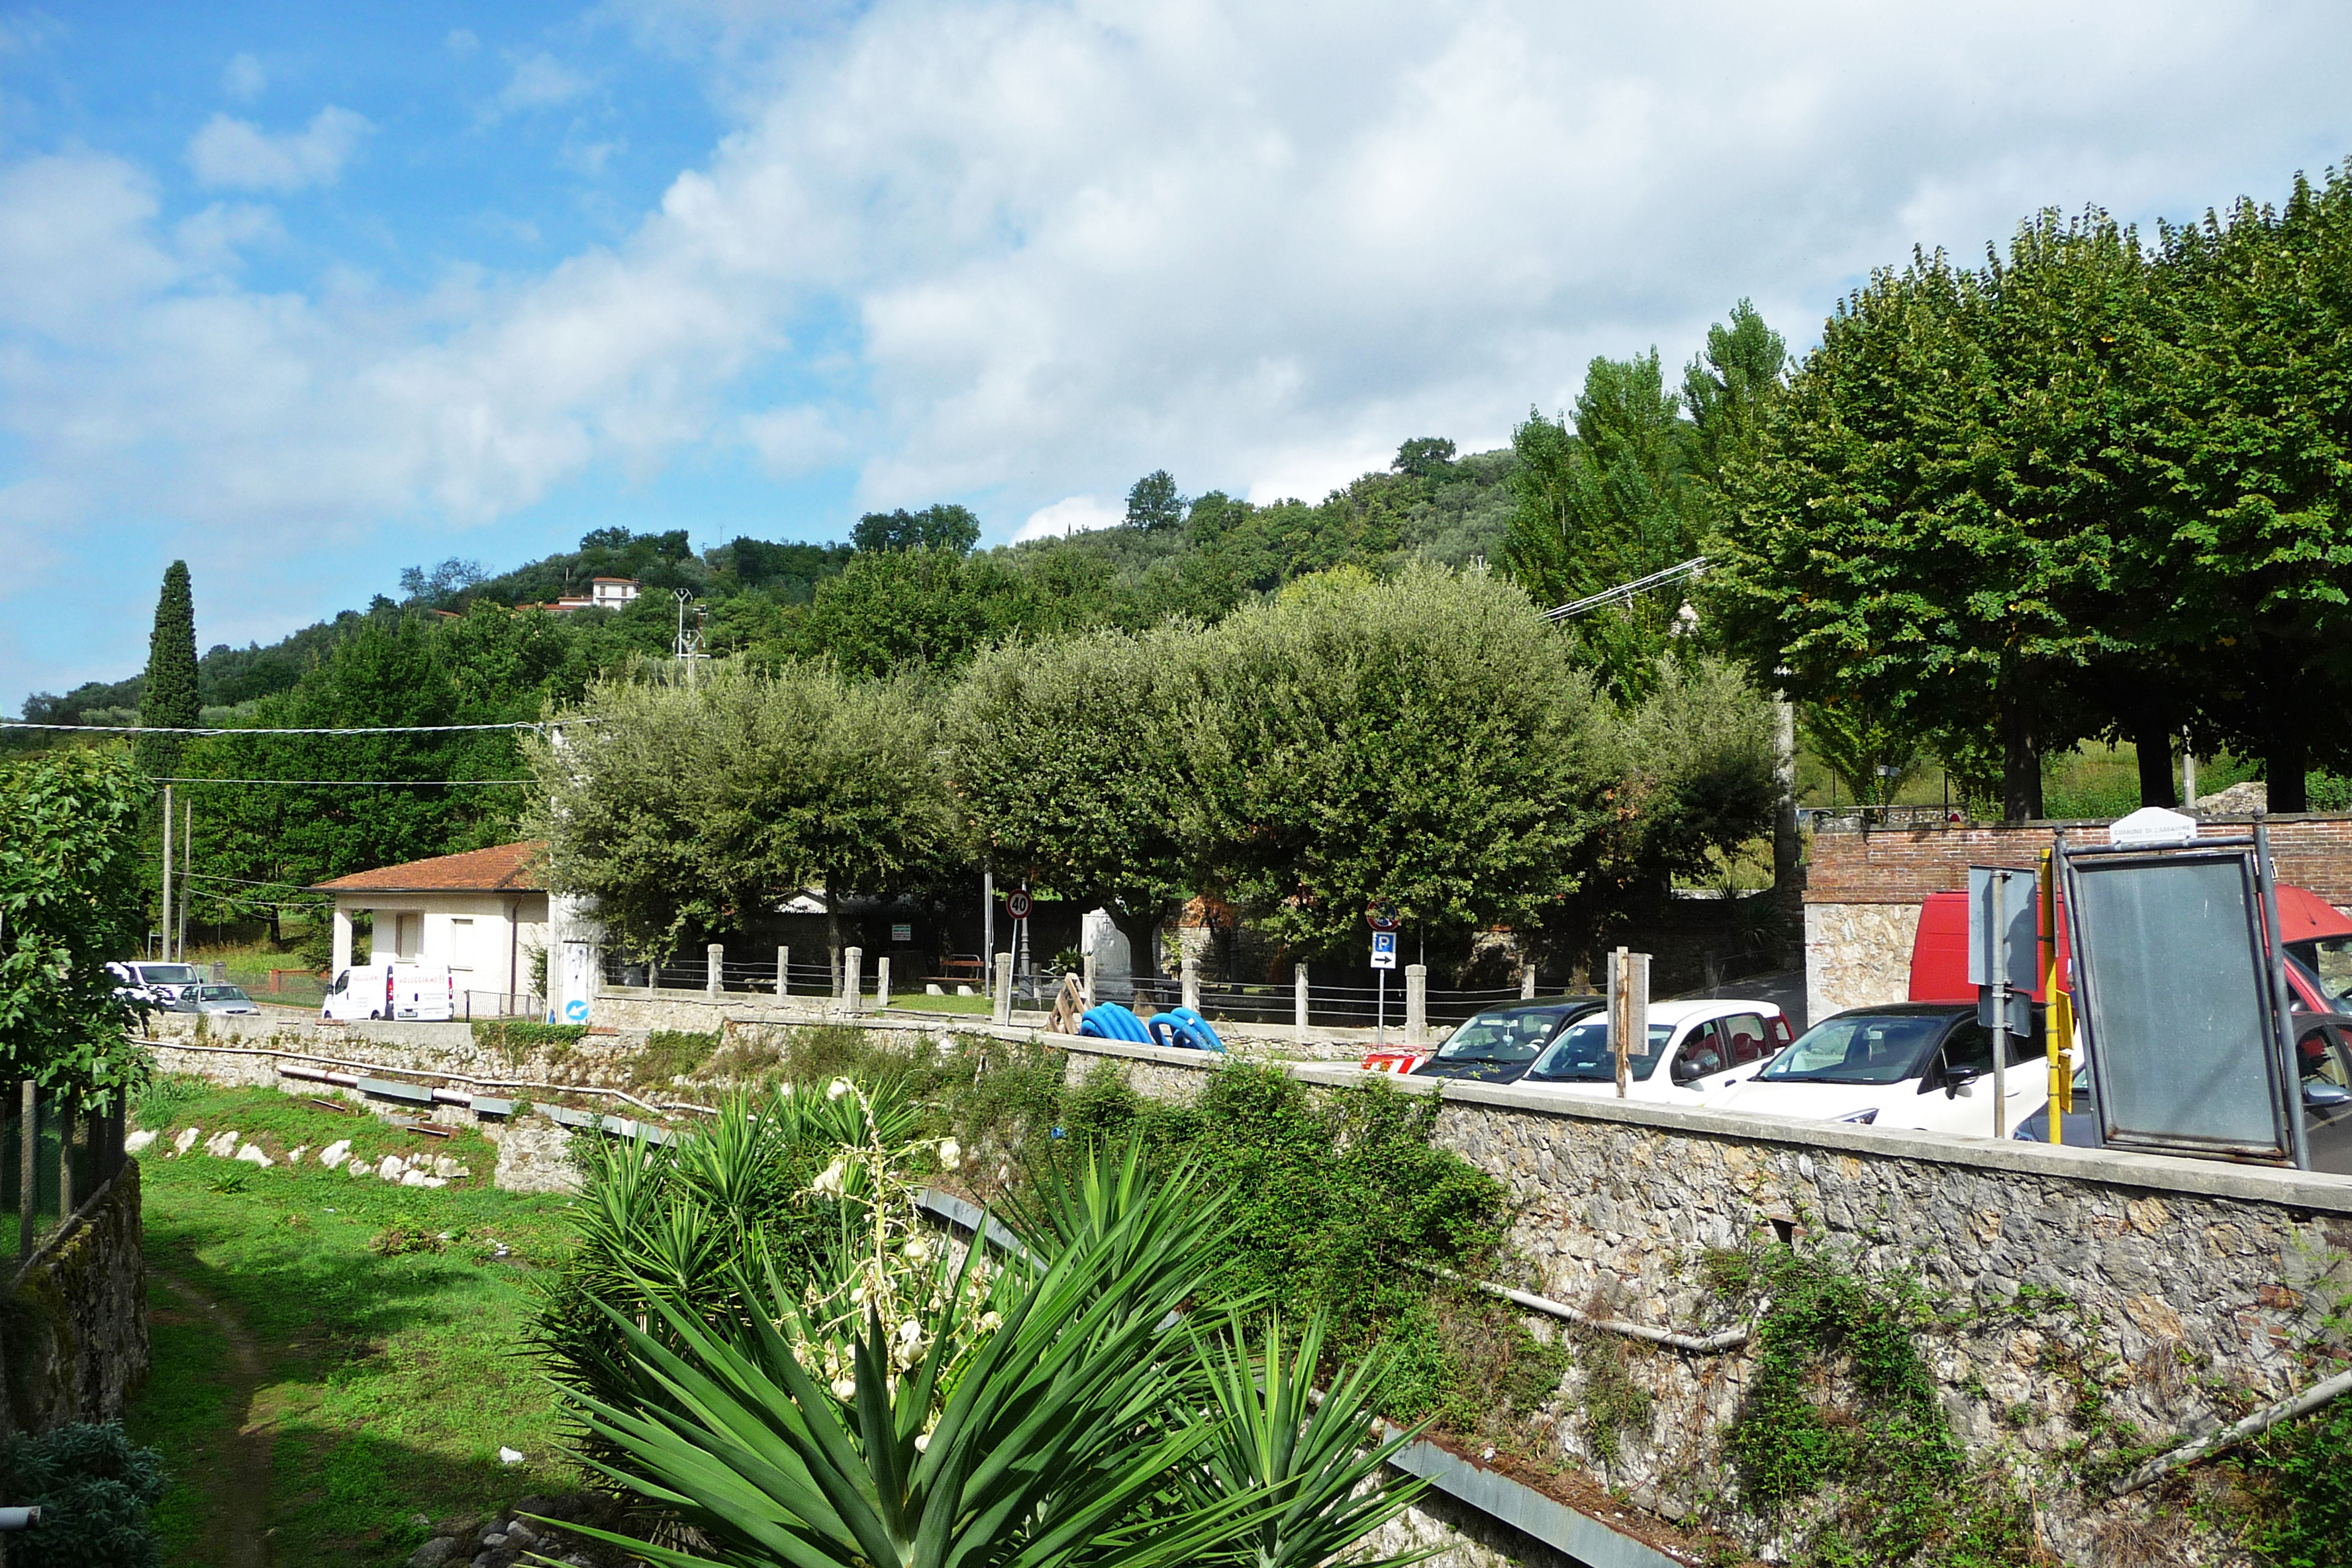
2319	1095
1957	1081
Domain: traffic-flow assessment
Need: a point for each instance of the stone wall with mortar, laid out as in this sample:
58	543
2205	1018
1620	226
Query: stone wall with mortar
2165	1294
1857	955
76	1328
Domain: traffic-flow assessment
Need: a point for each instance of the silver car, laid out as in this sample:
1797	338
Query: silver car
210	998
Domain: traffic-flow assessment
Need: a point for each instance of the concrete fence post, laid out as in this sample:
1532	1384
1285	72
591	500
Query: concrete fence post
1193	983
853	964
882	983
715	980
1298	985
1416	1004
1002	1009
652	974
1528	981
783	973
1090	979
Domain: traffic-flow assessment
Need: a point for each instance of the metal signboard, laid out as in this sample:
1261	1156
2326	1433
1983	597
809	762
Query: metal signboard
1016	903
2002	935
1384	949
2182	998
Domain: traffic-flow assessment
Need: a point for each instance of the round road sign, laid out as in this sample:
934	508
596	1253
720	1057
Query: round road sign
1383	916
1016	903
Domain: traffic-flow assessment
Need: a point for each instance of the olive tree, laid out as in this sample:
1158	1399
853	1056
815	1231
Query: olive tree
1420	743
684	805
1057	756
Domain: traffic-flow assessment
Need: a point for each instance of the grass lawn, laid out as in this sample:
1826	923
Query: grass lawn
919	1003
325	1366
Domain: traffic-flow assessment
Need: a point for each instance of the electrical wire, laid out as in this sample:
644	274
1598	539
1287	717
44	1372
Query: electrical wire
1623	592
377	730
339	783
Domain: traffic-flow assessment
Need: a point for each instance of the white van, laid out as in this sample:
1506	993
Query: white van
427	993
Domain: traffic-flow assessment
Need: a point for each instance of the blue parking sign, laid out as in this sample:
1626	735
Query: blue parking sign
1384	949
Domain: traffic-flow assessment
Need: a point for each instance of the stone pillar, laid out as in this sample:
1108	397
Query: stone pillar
783	972
716	980
342	958
1089	981
1298	987
1002	1009
882	983
1193	983
1416	1004
853	965
1527	983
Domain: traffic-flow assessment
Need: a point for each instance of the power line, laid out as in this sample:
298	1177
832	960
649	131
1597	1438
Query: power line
1623	592
377	730
355	783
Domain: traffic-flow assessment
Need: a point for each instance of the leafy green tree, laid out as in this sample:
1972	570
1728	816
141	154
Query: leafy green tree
699	806
1424	456
921	608
72	900
1152	504
1871	757
1420	743
1056	753
168	697
1729	388
945	526
2243	579
1928	525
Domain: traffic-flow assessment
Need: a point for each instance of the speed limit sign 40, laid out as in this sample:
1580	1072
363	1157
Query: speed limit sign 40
1016	903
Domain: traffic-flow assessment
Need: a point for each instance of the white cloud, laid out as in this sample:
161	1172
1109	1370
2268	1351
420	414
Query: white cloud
240	155
1026	251
244	78
1073	514
541	81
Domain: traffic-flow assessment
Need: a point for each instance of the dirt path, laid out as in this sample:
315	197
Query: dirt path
239	1487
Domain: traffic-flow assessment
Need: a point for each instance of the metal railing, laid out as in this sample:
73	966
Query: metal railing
1857	818
53	1155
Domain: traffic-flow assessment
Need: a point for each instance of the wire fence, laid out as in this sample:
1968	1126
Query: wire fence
54	1155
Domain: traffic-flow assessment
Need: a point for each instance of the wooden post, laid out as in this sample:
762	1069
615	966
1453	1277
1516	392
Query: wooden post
163	920
65	1160
29	1169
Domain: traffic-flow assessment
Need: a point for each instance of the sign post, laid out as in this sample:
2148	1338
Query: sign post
1629	1010
1384	958
2002	945
1016	906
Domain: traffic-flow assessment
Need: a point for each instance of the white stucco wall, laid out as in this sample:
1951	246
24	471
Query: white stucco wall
487	940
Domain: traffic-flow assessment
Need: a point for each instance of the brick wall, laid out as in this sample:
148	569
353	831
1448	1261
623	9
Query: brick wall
1903	865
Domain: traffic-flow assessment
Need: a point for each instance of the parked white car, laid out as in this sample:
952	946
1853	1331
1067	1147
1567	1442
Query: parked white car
1922	1064
216	999
158	984
1698	1050
424	992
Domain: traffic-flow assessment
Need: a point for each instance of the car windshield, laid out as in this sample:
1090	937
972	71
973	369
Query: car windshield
1513	1037
1860	1047
1582	1054
2332	977
224	993
167	973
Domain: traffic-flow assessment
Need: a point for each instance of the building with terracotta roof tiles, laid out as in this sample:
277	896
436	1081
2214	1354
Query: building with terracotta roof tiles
483	914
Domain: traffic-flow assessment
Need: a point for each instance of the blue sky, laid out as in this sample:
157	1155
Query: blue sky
305	295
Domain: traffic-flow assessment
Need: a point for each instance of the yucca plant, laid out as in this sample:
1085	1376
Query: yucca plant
1063	1419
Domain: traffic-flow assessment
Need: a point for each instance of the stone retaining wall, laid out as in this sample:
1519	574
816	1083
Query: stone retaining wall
2168	1294
75	1329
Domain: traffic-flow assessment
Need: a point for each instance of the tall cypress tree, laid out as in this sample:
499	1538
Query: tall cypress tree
169	696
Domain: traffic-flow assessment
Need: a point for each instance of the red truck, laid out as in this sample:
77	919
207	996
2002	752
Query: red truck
2317	935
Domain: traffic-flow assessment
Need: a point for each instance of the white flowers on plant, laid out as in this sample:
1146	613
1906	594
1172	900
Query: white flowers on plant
919	1249
828	1182
838	1087
922	1442
844	1388
950	1154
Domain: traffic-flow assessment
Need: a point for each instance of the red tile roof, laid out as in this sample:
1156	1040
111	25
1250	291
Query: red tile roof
504	868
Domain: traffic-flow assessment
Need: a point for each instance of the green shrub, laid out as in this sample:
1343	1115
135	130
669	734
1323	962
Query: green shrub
672	1053
515	1038
2304	1469
94	1490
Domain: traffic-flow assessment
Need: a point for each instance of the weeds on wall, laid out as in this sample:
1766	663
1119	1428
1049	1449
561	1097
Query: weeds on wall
516	1038
1841	1438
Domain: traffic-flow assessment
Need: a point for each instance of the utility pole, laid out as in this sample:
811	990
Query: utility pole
187	867
163	919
